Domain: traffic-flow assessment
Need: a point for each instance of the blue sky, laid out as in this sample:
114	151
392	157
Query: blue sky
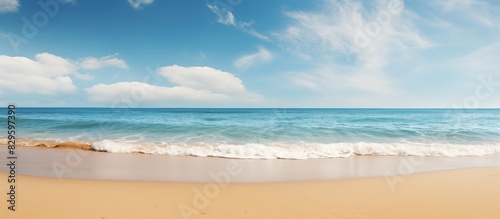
241	53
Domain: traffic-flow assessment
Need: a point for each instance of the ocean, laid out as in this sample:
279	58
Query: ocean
265	133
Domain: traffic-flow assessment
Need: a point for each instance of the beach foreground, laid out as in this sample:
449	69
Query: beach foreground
466	193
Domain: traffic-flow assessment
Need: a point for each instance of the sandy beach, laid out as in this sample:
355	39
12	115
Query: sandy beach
98	186
469	193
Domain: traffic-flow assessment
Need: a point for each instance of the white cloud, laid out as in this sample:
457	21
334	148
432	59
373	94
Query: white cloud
84	77
203	78
247	61
137	4
348	27
449	5
479	11
143	92
9	6
345	30
13	5
47	74
67	1
227	18
483	60
223	16
193	85
335	77
304	80
93	63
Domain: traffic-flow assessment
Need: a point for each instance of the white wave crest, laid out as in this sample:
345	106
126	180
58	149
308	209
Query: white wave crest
299	150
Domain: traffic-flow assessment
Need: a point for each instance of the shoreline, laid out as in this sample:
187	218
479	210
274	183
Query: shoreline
64	163
107	185
465	193
269	150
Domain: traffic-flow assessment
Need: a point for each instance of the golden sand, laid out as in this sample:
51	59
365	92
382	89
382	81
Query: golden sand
467	193
26	142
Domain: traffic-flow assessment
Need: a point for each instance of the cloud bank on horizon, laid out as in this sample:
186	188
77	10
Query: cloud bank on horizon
322	53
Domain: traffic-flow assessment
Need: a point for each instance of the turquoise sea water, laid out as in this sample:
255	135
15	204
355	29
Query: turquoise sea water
268	133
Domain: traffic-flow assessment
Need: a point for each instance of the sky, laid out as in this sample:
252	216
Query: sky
242	53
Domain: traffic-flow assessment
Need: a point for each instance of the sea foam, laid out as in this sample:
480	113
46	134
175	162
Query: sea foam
273	150
298	150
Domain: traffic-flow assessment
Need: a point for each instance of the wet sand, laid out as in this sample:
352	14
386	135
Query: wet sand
104	185
81	164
